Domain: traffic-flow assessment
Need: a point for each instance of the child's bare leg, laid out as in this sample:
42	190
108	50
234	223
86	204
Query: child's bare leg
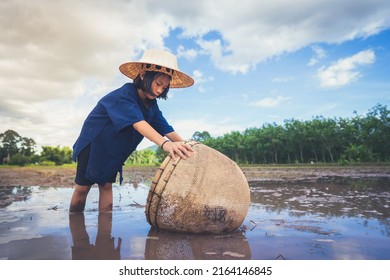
79	197
105	197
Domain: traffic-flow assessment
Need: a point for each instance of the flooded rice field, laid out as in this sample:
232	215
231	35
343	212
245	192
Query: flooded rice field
326	218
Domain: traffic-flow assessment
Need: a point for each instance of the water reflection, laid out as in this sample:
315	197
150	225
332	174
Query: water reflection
9	195
104	247
162	245
159	245
332	197
328	219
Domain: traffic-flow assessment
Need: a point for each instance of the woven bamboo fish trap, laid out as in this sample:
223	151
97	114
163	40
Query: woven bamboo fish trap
206	193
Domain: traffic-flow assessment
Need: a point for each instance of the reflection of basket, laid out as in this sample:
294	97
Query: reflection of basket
163	245
207	193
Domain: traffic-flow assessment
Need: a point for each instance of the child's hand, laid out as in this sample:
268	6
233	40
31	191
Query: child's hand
181	149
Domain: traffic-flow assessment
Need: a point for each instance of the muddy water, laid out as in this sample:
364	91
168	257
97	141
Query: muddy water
330	219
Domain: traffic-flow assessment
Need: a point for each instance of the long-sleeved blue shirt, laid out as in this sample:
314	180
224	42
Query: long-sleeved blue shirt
109	129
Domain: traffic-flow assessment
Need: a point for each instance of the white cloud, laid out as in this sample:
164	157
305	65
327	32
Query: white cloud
58	57
198	77
200	80
189	54
319	52
252	32
270	102
187	127
282	79
345	71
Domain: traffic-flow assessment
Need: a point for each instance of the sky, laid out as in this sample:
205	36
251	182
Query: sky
253	62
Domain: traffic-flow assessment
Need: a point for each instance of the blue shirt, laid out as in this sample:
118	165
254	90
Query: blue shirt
109	129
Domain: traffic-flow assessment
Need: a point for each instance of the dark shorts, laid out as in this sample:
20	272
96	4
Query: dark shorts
82	163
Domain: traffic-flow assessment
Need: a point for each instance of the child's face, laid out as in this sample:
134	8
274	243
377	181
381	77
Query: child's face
159	85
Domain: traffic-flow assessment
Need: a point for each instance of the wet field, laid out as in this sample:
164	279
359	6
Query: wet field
326	218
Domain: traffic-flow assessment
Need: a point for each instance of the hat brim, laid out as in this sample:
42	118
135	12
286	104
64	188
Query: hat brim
179	79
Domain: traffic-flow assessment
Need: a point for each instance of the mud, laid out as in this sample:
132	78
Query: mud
296	213
312	173
64	176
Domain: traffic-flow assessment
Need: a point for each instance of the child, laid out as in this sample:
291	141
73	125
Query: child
120	120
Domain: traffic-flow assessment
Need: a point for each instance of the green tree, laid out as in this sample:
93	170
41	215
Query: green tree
358	153
146	156
27	147
253	145
160	155
56	154
9	140
376	131
274	140
201	136
20	159
326	131
15	149
295	131
233	147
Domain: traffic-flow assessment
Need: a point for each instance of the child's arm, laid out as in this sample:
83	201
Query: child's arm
174	136
177	147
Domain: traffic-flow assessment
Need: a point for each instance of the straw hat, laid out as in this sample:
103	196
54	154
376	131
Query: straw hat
160	61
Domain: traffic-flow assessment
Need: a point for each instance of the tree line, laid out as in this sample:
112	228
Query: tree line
320	140
327	140
18	150
21	151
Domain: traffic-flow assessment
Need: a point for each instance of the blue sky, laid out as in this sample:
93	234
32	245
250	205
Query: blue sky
253	63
